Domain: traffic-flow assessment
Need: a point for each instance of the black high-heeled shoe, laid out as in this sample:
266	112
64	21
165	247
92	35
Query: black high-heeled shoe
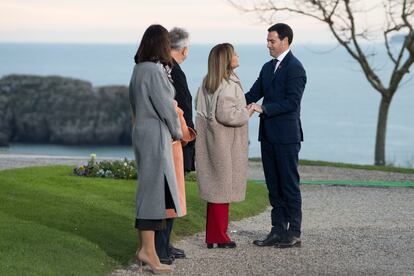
230	244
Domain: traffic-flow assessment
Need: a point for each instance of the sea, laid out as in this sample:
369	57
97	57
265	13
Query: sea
339	107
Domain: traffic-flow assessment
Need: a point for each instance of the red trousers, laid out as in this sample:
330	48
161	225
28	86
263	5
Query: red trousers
217	223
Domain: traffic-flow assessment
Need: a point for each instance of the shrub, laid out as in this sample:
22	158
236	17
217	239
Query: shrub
126	169
120	169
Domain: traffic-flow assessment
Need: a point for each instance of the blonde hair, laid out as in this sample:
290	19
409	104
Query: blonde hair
219	66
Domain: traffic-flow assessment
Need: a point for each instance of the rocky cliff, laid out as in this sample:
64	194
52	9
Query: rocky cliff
59	110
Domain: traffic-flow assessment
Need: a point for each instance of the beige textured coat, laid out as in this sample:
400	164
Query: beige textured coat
222	143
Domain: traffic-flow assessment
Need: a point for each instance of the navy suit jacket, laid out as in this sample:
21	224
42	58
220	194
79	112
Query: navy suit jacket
282	93
182	93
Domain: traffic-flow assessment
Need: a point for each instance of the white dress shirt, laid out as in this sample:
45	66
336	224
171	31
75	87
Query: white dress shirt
280	58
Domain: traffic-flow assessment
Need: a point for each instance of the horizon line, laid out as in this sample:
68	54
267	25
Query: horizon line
136	43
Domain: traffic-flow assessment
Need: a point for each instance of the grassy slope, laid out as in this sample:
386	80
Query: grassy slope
54	223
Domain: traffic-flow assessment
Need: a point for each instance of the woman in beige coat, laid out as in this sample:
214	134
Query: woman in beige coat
222	143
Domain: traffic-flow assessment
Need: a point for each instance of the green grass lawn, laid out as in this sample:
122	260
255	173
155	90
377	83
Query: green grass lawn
55	223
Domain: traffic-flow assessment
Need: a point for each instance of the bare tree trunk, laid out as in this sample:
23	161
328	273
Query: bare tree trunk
382	130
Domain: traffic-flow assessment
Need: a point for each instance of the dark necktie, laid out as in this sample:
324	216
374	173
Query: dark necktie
275	61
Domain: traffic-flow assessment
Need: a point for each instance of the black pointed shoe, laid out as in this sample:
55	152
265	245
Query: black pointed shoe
166	260
289	242
176	252
230	244
270	240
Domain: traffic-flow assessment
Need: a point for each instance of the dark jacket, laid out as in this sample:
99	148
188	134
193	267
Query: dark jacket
184	100
282	93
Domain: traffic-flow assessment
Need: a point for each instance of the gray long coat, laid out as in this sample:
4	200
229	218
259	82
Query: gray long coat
222	143
156	125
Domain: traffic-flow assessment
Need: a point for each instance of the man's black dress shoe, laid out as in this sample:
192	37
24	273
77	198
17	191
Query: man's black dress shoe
176	252
230	244
290	241
270	240
166	260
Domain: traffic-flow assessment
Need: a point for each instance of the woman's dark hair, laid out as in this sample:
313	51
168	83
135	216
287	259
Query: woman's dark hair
154	46
283	30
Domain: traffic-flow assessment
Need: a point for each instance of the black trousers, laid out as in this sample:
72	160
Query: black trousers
162	239
189	153
280	165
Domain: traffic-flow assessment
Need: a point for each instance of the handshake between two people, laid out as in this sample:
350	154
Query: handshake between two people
254	107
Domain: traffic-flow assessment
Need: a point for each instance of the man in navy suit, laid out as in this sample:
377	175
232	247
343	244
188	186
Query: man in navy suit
281	83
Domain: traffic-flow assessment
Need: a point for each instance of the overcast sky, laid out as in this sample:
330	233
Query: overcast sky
124	21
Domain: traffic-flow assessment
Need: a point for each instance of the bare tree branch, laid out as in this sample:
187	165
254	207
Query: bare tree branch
340	17
272	8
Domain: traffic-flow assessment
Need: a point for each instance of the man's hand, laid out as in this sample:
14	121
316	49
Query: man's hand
257	107
251	108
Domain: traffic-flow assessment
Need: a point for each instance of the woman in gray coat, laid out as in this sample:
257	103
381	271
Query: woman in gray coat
155	126
221	146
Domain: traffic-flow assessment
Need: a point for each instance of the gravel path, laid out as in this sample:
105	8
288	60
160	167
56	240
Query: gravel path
8	161
331	173
346	230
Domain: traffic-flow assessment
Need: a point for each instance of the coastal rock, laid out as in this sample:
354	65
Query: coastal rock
62	110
